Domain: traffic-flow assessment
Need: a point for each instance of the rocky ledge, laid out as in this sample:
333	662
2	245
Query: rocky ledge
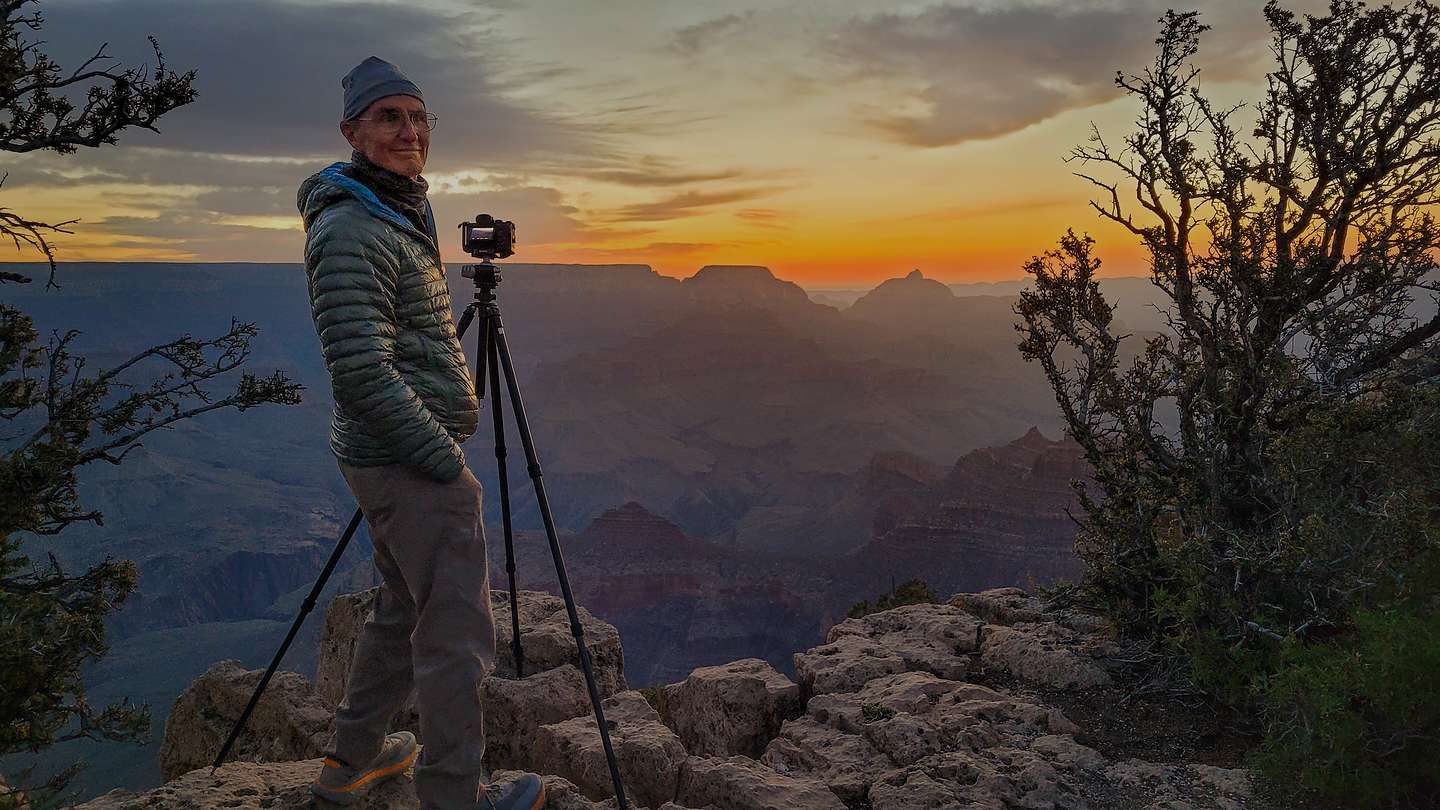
926	706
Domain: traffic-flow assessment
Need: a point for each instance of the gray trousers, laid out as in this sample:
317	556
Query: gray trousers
432	629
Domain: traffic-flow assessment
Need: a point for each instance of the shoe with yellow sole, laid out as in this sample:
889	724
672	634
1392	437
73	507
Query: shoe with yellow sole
339	783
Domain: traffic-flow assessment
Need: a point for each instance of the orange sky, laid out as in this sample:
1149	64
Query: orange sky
837	143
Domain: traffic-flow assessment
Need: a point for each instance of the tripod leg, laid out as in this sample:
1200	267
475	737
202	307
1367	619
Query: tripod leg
465	319
485	350
305	609
495	406
523	424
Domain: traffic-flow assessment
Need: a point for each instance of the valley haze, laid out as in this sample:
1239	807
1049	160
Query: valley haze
732	460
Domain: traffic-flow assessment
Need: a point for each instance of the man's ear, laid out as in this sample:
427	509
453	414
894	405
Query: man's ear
347	128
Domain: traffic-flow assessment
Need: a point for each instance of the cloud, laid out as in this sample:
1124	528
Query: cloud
645	171
981	72
687	204
767	218
692	39
268	72
541	216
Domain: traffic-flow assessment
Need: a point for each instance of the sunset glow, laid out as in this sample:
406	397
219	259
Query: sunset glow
836	143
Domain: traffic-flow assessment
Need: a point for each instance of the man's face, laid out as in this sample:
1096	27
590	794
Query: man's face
402	151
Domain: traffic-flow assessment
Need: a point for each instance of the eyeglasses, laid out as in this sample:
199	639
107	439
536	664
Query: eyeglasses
393	121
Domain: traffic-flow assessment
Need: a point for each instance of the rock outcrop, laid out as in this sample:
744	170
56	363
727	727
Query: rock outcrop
735	708
924	706
647	754
286	786
289	722
1000	516
545	640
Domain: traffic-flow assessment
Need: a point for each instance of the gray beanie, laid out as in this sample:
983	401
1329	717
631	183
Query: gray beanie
373	79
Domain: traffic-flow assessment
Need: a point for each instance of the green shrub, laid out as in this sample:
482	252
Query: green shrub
874	712
910	592
1356	722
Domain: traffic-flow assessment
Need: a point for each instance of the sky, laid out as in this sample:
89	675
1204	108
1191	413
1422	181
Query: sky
838	143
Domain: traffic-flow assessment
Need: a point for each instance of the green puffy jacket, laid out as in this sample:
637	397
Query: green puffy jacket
403	392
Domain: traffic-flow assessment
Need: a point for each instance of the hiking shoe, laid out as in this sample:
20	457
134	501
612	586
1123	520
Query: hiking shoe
339	783
524	792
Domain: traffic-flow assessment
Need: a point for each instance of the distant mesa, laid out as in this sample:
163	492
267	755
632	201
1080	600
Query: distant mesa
1034	439
633	526
905	300
745	282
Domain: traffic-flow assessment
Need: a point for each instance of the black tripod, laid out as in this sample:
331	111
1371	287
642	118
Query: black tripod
492	352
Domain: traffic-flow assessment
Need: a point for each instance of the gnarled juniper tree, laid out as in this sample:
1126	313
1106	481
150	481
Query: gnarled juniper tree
60	418
1295	264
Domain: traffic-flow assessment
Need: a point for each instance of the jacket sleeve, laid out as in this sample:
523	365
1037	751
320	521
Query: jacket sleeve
353	289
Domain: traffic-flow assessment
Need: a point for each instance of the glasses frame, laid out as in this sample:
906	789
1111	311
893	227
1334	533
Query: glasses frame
399	125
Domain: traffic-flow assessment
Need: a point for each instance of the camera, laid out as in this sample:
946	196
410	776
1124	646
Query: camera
487	237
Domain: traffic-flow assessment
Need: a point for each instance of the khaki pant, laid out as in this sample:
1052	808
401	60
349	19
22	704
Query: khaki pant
432	629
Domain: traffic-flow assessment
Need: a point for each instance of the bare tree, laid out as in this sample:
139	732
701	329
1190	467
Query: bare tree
52	619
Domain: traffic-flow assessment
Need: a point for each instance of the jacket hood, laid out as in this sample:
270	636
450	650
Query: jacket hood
329	186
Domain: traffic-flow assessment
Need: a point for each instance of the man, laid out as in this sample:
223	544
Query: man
404	399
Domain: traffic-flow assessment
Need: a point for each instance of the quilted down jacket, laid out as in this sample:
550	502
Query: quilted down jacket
403	392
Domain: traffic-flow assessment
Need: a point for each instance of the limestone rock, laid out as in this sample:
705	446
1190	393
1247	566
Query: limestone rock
1045	654
516	709
845	763
844	665
861	742
735	708
343	619
1180	787
250	786
289	722
740	783
546	640
1010	606
1005	606
929	638
647	753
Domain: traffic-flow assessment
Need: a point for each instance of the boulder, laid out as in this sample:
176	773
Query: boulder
547	643
343	619
647	753
516	709
929	638
289	723
735	708
1005	606
856	743
844	665
1010	606
1045	654
845	763
740	783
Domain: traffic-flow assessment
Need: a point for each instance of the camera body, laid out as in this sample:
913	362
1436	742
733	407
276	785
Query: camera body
488	238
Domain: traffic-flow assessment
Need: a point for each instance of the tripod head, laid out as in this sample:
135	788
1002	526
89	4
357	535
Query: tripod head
485	275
